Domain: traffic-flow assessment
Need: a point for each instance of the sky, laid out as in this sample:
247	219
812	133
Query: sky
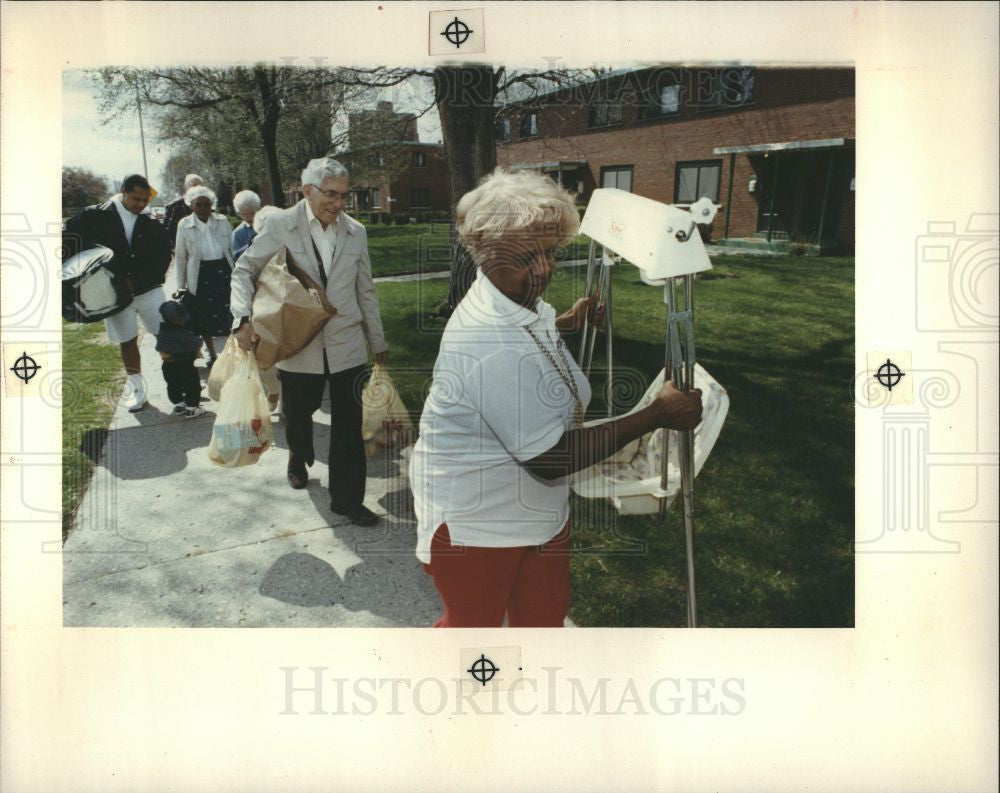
114	150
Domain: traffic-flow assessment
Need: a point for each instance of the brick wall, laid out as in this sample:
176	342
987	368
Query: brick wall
433	177
786	105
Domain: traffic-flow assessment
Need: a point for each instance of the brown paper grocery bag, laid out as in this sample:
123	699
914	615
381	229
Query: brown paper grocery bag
289	309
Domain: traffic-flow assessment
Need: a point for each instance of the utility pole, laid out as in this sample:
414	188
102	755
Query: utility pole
142	137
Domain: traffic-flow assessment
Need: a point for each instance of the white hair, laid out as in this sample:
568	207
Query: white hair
191	179
246	199
262	215
506	203
321	168
199	191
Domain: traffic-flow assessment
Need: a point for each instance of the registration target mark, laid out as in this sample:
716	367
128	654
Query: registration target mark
456	31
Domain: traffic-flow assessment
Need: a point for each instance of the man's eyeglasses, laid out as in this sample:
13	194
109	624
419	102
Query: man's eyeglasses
330	193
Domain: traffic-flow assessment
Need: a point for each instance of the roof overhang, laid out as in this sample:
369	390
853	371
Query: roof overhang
829	143
550	165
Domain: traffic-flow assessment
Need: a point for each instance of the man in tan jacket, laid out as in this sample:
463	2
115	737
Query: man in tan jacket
333	249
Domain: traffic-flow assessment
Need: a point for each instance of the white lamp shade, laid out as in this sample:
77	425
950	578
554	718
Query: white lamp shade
644	232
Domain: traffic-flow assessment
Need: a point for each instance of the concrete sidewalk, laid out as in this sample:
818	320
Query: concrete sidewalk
165	538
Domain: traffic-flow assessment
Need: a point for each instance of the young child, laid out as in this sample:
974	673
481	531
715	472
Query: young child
178	346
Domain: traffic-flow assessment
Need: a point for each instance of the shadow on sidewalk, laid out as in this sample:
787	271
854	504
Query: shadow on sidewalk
387	579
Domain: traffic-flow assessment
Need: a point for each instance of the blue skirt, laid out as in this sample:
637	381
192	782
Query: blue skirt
212	315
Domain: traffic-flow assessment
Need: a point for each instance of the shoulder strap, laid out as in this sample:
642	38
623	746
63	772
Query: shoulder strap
322	268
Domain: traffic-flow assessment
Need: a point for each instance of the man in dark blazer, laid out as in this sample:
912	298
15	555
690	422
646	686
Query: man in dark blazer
141	255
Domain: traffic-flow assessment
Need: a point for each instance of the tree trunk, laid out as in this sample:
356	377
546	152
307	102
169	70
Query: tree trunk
224	197
465	97
269	137
269	133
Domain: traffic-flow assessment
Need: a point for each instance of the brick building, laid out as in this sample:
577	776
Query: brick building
773	147
392	171
418	185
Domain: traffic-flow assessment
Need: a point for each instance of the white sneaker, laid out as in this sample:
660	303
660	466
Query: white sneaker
137	399
194	412
179	409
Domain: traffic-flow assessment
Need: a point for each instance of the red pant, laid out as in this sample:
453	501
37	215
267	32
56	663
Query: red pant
478	585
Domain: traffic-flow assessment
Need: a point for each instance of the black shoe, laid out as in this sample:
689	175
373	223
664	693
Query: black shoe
298	479
359	515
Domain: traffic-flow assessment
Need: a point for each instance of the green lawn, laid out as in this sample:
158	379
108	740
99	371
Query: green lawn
413	248
425	247
775	501
93	377
404	249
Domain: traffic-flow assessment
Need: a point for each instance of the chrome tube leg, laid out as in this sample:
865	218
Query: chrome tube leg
668	303
687	486
689	353
592	339
609	334
687	452
587	291
680	352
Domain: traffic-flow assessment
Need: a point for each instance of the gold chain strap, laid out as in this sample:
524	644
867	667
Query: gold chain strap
566	377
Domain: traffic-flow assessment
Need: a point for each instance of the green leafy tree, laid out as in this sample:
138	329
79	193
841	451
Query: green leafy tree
178	165
81	188
232	116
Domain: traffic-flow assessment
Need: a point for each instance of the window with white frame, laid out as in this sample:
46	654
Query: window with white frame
697	179
529	124
662	100
503	129
619	176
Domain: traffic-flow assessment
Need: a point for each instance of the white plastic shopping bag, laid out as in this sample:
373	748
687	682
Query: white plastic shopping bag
242	431
385	420
223	368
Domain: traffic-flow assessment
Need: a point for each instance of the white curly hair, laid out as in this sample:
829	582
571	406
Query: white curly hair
246	199
522	202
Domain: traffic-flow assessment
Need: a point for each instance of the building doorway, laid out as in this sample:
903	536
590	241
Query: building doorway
799	193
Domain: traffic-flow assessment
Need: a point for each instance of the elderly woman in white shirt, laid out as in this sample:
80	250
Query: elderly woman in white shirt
501	429
204	263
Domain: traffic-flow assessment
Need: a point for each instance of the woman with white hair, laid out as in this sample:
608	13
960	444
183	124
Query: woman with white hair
501	430
204	263
246	203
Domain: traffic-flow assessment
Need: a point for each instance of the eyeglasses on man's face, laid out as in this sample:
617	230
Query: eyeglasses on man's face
331	194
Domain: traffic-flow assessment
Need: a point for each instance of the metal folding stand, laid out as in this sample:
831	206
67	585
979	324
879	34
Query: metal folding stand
660	240
602	291
679	362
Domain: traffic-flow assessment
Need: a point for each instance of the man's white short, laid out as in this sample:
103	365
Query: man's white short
122	327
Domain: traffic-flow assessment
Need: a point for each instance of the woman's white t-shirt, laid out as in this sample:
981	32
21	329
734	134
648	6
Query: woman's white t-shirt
496	401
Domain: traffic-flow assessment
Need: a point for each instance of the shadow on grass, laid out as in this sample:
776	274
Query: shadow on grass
774	503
